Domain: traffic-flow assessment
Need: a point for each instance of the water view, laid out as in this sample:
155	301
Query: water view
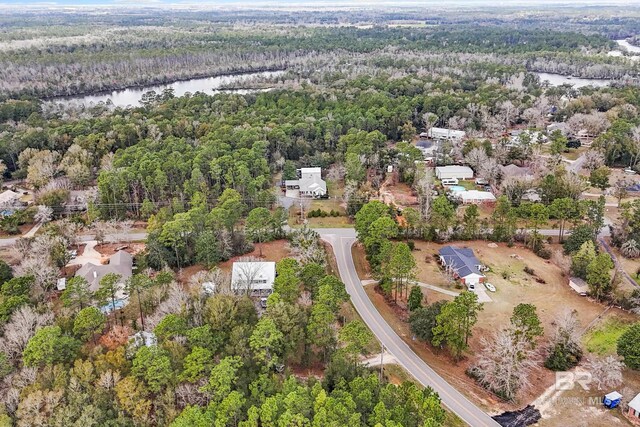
132	96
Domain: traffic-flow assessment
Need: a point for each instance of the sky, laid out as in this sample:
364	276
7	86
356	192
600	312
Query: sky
310	3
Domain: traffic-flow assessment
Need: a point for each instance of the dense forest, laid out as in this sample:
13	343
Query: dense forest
201	174
50	62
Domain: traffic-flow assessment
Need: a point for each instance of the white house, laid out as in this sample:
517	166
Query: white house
443	134
309	182
475	197
9	198
458	172
143	338
253	277
517	136
563	127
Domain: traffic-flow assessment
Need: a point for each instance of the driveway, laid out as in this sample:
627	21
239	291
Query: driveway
89	255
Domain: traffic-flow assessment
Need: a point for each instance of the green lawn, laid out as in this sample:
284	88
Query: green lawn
603	339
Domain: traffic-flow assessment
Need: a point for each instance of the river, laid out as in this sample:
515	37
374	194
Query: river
132	96
577	82
630	48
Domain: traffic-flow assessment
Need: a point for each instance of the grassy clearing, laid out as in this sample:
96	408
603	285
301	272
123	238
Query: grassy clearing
603	340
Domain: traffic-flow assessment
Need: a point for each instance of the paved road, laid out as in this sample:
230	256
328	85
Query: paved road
341	240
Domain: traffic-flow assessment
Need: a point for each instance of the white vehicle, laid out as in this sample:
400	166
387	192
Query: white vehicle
450	181
629	171
490	287
481	181
471	286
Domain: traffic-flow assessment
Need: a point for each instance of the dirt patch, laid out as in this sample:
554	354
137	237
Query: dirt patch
108	249
186	273
69	270
271	251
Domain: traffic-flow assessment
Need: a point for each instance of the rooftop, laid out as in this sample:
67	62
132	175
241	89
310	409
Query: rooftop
120	263
256	275
462	260
7	197
635	403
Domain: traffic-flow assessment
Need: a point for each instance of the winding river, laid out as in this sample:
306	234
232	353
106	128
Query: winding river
132	96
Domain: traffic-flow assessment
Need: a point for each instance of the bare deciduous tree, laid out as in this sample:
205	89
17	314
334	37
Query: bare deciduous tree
505	364
606	372
21	327
424	189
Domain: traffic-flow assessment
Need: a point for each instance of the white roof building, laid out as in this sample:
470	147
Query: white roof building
8	198
310	182
475	197
579	285
563	127
253	277
635	405
444	134
458	172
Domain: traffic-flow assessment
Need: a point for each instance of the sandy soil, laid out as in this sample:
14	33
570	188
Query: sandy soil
271	251
109	249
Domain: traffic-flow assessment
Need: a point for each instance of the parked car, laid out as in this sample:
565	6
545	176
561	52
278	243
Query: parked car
629	171
490	287
481	181
73	254
471	286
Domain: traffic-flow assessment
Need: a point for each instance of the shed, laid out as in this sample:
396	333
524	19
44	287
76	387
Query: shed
459	172
612	399
579	285
634	408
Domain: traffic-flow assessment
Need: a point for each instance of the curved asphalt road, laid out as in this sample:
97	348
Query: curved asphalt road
341	240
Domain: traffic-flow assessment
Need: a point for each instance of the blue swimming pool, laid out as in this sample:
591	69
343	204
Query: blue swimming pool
456	188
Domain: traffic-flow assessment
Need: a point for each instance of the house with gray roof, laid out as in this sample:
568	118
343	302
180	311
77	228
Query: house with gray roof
120	263
462	264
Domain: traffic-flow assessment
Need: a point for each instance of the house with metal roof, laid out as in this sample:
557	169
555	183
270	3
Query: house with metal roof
254	278
457	172
462	264
309	183
443	134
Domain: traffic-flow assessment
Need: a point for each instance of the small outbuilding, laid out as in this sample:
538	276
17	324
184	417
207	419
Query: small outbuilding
450	172
612	399
579	285
634	410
